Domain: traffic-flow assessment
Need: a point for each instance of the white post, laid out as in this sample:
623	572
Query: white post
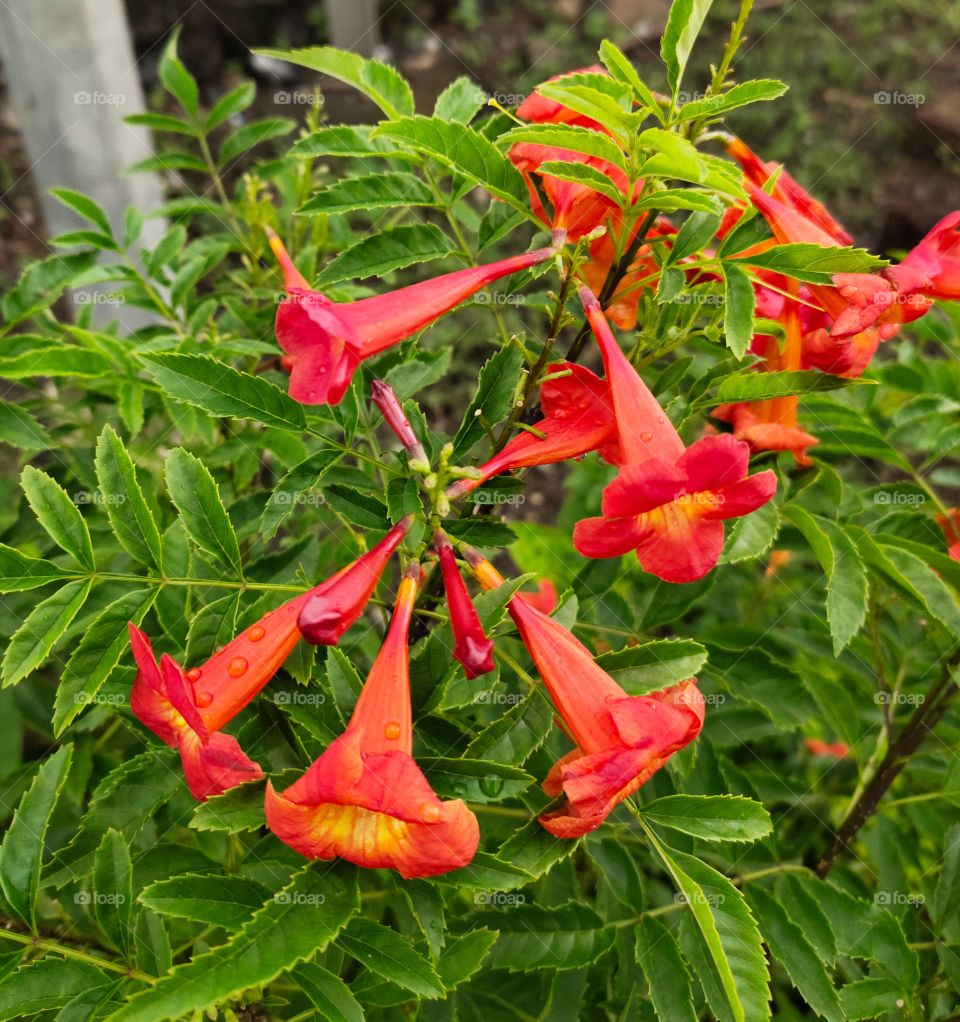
73	76
354	25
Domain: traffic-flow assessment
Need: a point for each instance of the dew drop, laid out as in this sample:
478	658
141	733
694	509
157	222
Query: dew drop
204	699
256	633
660	419
237	667
392	731
311	394
323	370
194	674
430	813
491	785
611	698
849	291
646	437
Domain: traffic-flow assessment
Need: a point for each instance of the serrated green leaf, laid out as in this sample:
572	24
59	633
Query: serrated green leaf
97	654
31	643
19	572
176	79
683	26
113	890
495	389
20	429
728	932
753	386
378	82
328	993
194	492
85	207
815	264
370	191
22	851
130	517
532	937
711	817
568	136
234	102
392	249
757	91
44	986
791	948
465	151
738	306
227	901
58	514
297	922
344	140
389	955
666	972
459	101
653	665
221	390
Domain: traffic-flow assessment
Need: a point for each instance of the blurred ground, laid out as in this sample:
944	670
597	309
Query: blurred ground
871	122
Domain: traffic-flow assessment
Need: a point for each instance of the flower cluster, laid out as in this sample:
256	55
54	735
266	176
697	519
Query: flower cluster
365	798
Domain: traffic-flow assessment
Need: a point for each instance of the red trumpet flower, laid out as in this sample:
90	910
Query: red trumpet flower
643	428
470	644
862	309
932	268
326	341
578	418
577	208
333	606
787	190
541	110
672	514
365	799
668	503
621	740
188	709
772	425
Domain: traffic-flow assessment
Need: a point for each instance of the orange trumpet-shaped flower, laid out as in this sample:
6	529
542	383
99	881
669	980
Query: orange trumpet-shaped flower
187	709
365	799
787	190
326	341
578	418
621	740
541	110
643	428
771	425
668	503
577	208
932	267
333	606
862	309
470	644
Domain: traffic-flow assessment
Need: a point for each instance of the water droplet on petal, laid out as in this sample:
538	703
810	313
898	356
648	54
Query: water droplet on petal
392	731
430	812
204	699
194	674
237	667
661	420
646	437
311	394
256	633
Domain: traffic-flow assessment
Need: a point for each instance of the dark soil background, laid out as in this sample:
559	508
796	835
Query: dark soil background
871	122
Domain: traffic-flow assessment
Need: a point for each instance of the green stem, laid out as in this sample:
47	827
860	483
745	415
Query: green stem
47	946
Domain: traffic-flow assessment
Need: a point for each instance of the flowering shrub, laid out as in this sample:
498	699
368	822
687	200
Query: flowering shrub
323	724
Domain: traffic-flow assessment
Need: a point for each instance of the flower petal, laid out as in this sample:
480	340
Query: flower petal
216	765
